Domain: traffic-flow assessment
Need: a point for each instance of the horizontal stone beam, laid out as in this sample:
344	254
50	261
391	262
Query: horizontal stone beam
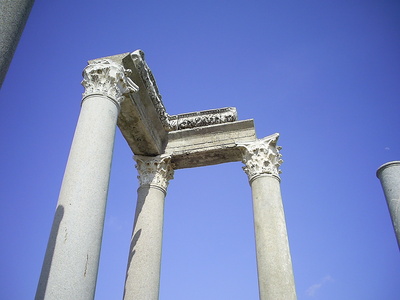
148	128
202	118
139	119
209	145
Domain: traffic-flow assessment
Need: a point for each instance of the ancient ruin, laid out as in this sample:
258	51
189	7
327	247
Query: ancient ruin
121	90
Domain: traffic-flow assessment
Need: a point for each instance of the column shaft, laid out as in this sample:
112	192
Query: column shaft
389	175
72	257
144	262
274	265
13	17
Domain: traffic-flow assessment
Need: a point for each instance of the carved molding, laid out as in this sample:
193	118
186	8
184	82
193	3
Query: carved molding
182	121
203	118
107	78
261	157
155	170
151	87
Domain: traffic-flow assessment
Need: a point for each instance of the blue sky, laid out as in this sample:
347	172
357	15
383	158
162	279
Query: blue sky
324	74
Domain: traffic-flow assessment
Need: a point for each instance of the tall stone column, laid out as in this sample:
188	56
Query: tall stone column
275	274
72	257
13	17
144	263
389	175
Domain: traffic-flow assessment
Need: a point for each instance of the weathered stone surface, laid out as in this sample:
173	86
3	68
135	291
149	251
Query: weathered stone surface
275	274
155	170
389	175
209	145
13	17
72	257
123	88
144	263
139	120
261	157
107	78
143	119
203	118
142	71
274	263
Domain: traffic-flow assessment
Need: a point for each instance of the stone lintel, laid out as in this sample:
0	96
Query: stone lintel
210	145
202	118
139	120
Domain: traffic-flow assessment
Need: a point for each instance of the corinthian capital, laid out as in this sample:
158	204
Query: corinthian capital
107	78
261	157
155	171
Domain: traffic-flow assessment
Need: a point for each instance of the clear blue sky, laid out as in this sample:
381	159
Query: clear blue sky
324	74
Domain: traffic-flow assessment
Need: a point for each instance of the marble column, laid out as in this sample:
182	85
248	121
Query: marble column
13	17
144	262
72	257
275	273
389	175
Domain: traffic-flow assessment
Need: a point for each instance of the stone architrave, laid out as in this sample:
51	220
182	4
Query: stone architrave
389	175
72	257
275	274
144	262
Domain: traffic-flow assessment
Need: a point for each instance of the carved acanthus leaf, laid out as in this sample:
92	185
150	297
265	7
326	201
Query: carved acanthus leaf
107	78
156	170
261	157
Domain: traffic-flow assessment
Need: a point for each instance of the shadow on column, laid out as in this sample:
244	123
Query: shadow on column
136	236
139	206
48	258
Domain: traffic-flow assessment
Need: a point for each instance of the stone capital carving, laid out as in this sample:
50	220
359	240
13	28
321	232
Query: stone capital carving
107	78
261	157
157	170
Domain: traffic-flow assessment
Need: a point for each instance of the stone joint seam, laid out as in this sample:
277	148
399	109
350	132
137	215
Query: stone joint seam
154	186
102	95
263	175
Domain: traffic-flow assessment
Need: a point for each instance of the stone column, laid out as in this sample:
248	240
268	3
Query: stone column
389	175
274	265
72	257
144	263
13	17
